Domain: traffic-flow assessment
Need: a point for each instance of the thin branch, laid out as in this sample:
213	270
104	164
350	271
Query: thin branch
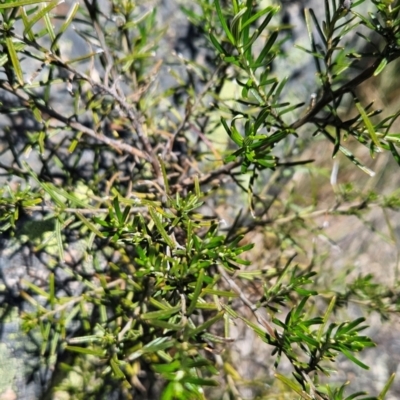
253	308
329	96
226	169
86	211
69	303
115	144
131	113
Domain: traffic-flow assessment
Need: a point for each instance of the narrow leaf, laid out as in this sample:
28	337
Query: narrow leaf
27	30
207	324
115	367
368	124
387	386
223	22
89	225
14	60
327	314
160	228
381	67
217	45
20	3
72	12
41	14
196	293
161	313
223	293
50	28
84	350
352	358
294	386
256	16
117	209
60	247
164	174
316	23
265	51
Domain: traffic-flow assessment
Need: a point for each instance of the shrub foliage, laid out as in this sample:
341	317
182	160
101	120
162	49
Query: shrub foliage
138	176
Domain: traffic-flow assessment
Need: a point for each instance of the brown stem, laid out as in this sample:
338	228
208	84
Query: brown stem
117	145
329	96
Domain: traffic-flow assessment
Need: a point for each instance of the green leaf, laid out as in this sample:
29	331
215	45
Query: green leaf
222	293
279	89
89	225
160	305
294	386
170	367
164	174
59	240
307	339
52	297
327	314
116	369
161	313
223	22
160	228
290	109
381	66
236	23
256	16
394	152
349	326
85	350
164	324
358	394
50	29
261	28
386	388
299	309
236	136
158	344
196	293
354	160
350	156
319	30
35	288
207	324
346	353
117	210
85	339
232	132
14	60
20	3
265	51
68	20
39	15
368	124
27	31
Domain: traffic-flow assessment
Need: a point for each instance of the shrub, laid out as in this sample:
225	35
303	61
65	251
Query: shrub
137	178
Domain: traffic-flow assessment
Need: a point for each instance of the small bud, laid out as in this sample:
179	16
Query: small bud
346	4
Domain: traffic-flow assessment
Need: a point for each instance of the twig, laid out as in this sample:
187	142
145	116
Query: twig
189	111
328	211
329	96
226	169
72	302
86	211
128	108
117	145
253	308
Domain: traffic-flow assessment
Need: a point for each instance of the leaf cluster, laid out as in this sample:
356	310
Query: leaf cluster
148	265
